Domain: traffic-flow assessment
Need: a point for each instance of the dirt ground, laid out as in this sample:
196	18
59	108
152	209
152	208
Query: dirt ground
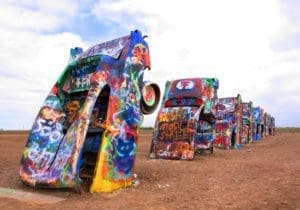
262	175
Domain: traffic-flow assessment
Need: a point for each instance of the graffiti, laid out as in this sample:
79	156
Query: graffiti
170	115
82	82
180	130
175	150
111	48
149	95
125	151
269	122
263	124
183	124
229	122
87	127
257	123
222	140
272	126
48	129
185	85
246	129
46	136
40	157
140	55
71	109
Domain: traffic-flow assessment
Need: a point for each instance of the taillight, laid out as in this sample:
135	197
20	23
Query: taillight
199	101
178	101
168	103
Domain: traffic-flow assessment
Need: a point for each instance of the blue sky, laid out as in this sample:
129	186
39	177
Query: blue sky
251	46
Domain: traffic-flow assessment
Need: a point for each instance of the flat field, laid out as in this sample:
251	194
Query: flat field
261	175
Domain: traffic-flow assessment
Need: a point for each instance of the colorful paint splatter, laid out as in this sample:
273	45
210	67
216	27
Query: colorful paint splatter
186	120
87	126
269	124
246	130
229	122
257	123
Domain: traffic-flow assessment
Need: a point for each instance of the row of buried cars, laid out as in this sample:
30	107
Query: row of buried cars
192	119
86	131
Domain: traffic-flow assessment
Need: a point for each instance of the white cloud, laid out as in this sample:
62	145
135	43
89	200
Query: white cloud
288	39
14	16
207	38
66	7
30	62
33	68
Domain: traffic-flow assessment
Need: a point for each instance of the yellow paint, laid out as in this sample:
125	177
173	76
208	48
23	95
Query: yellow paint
102	185
102	182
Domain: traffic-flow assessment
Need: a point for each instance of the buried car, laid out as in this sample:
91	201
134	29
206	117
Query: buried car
246	130
185	123
272	127
86	130
257	127
228	122
269	129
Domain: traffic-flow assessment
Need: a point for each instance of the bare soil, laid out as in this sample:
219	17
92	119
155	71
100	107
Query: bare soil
261	175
